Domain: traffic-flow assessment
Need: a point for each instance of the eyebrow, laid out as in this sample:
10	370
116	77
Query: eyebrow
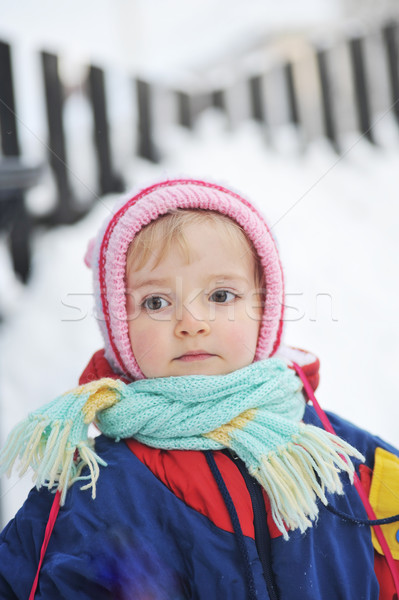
166	281
228	276
161	281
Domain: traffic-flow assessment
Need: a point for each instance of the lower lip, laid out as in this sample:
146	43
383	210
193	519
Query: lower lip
193	357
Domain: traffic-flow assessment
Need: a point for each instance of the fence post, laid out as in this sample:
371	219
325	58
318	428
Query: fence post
360	88
184	110
109	181
390	32
218	99
8	122
146	147
327	99
292	96
257	99
14	215
56	142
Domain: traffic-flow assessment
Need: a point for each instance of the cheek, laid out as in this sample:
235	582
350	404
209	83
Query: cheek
148	340
139	342
241	336
140	337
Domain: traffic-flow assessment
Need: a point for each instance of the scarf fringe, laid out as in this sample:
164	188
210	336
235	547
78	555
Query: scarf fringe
44	445
298	474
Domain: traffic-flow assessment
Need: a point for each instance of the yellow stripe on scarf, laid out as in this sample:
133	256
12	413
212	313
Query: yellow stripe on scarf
104	393
222	434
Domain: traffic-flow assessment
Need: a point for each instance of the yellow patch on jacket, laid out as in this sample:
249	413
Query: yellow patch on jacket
384	498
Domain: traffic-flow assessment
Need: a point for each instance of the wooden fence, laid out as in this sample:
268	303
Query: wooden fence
322	91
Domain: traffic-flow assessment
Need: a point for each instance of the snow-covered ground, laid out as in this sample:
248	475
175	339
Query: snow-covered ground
336	221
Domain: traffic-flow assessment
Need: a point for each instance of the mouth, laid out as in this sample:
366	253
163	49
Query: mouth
195	355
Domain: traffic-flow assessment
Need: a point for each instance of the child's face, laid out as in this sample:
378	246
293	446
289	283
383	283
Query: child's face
196	317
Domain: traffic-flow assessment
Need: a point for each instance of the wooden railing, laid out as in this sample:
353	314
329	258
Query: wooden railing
322	91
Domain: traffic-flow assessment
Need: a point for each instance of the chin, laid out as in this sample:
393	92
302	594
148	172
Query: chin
203	370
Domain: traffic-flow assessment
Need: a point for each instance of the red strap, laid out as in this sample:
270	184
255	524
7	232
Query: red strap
357	483
47	534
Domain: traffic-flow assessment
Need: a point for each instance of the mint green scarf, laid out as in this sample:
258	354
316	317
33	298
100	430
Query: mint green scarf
255	411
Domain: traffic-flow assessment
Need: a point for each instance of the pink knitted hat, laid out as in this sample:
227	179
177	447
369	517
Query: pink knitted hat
107	257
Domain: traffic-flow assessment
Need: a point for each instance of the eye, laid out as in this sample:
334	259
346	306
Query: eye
155	303
222	296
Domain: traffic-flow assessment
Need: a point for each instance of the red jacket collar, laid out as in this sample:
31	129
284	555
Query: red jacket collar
97	368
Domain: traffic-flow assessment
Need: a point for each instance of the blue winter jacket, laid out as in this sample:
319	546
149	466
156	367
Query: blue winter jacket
163	527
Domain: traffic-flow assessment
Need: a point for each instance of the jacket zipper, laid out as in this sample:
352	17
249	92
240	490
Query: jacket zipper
262	536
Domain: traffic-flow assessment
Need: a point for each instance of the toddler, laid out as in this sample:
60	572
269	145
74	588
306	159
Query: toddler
212	478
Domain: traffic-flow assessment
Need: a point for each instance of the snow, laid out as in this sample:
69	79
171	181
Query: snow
336	222
205	33
335	218
155	35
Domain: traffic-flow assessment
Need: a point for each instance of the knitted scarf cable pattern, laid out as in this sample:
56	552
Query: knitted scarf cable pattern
255	411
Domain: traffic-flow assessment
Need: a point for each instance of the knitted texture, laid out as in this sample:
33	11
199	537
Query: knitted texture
255	411
107	256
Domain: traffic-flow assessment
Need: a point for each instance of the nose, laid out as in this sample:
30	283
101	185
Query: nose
191	324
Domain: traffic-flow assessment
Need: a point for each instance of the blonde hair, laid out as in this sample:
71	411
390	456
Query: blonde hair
156	239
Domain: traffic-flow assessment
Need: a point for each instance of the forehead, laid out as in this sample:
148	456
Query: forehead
203	247
215	241
176	231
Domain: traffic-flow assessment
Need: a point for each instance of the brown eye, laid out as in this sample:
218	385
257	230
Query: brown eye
222	296
155	303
